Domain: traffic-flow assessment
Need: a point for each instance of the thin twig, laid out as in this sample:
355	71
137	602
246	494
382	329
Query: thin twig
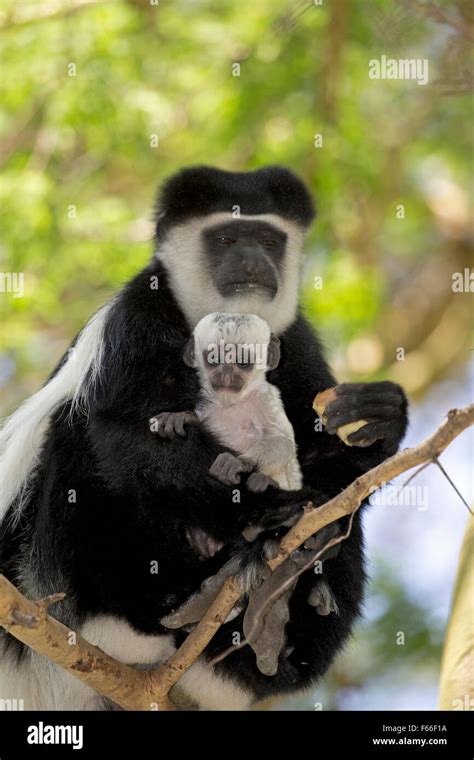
414	475
438	463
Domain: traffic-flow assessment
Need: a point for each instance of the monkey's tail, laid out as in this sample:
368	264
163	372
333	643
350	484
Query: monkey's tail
24	433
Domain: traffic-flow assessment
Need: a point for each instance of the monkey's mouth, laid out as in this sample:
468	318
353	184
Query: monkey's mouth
245	287
222	387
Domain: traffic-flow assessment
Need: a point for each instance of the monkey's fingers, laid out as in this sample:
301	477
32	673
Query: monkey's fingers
284	515
158	424
227	468
182	420
170	424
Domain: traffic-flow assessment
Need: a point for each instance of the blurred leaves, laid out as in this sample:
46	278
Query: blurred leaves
89	84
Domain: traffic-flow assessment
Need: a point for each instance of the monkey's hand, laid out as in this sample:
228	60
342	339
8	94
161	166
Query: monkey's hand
228	468
258	482
383	405
172	424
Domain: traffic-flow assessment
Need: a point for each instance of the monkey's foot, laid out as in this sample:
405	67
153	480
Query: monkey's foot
268	609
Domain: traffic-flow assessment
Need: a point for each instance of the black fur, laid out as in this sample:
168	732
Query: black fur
202	190
138	495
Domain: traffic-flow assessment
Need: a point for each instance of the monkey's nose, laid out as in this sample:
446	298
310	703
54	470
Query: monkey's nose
251	263
250	267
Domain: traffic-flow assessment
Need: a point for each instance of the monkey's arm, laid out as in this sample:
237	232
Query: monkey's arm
271	454
275	451
173	475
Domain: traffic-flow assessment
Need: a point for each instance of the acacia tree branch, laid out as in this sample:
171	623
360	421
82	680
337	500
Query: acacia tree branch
344	503
147	690
30	623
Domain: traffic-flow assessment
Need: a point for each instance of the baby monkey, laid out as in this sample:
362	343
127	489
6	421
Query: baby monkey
232	354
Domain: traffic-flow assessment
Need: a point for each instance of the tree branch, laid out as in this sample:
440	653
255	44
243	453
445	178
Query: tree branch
30	623
352	496
147	690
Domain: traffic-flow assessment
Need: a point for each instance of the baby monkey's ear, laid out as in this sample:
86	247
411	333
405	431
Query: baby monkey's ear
273	355
188	354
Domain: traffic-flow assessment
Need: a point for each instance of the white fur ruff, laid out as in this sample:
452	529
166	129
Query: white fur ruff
195	290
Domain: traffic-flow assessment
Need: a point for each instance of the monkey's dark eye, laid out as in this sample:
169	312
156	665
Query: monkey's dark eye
224	241
244	365
268	243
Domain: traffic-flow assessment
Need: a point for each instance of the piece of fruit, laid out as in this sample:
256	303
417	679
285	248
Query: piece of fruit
321	401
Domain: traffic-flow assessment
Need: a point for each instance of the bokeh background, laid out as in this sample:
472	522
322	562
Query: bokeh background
100	101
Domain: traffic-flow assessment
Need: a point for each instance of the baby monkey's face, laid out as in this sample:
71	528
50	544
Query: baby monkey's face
230	372
232	354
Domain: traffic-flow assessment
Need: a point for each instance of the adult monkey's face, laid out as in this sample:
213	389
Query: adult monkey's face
245	257
232	242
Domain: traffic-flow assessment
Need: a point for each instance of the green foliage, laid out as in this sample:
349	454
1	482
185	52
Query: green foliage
83	141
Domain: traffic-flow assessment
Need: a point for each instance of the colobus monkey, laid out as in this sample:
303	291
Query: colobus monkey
232	353
97	506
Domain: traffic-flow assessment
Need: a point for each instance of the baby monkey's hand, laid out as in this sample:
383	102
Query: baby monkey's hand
227	468
172	424
258	482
